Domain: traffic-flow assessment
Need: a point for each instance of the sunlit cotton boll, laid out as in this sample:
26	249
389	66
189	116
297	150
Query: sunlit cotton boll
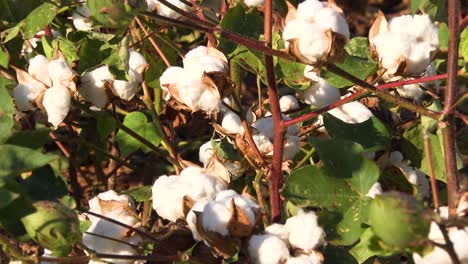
304	231
278	230
391	47
265	126
352	113
288	103
253	3
292	146
191	218
247	205
312	40
232	123
38	69
413	174
205	153
201	59
25	93
412	91
329	18
419	26
92	87
60	72
263	143
81	19
308	9
321	94
56	102
136	60
163	10
267	249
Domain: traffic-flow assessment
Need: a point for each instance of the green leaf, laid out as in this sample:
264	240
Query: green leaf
225	150
443	36
4	57
111	13
249	60
137	122
356	66
14	11
17	159
358	47
43	184
67	47
140	194
365	249
436	9
6	112
38	19
334	255
6	197
85	225
371	134
92	53
464	44
291	74
106	124
34	139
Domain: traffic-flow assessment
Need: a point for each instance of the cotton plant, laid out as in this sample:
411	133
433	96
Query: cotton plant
222	222
315	32
416	91
288	103
413	174
301	235
163	10
207	157
192	84
404	45
81	18
173	195
109	238
47	85
93	84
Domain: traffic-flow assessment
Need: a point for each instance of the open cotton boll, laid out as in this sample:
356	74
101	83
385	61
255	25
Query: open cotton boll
418	179
376	189
292	146
308	9
81	19
202	186
312	39
419	26
163	10
412	91
253	3
280	231
312	258
60	71
126	90
205	153
199	60
310	74
25	93
209	101
248	206
329	18
321	94
37	68
304	231
232	123
267	249
288	103
57	104
136	60
352	113
265	126
391	47
419	58
191	218
92	87
216	217
263	143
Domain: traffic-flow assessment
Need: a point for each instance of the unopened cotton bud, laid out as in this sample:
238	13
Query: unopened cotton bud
376	189
57	104
267	249
321	94
232	123
37	68
352	113
60	72
288	103
92	86
313	43
329	18
81	19
304	231
311	258
25	93
280	231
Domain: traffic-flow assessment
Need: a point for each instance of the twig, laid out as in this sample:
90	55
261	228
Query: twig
258	191
278	127
448	245
448	126
153	43
428	152
200	14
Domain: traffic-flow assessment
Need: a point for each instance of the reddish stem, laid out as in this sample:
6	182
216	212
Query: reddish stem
153	43
448	127
202	17
278	127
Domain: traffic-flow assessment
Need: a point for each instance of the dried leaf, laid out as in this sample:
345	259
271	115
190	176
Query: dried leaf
216	168
239	224
212	51
291	15
23	77
187	204
380	25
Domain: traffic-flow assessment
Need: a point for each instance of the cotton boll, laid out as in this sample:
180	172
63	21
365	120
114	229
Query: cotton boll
57	104
136	60
92	87
280	231
167	198
308	9
81	19
391	46
329	18
202	186
376	189
232	123
321	94
310	74
209	101
265	126
248	206
198	60
38	69
166	11
60	72
419	26
267	249
352	113
205	153
25	93
305	259
191	218
292	146
263	143
304	231
419	58
253	3
312	40
216	217
288	103
417	178
125	90
412	91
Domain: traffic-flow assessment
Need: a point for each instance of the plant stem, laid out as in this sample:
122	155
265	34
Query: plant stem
428	152
278	127
200	14
153	43
385	96
448	245
448	126
257	184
